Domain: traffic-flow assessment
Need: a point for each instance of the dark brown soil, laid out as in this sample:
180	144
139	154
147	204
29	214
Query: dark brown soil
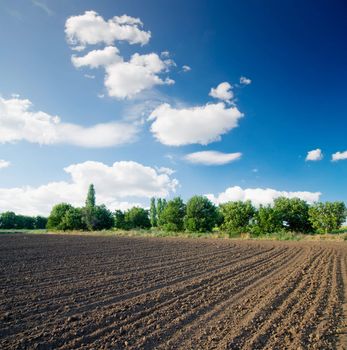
89	292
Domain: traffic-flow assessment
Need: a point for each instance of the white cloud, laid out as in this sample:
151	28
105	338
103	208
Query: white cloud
126	79
212	157
97	58
18	122
339	156
115	185
164	170
245	81
123	79
186	68
165	54
91	29
259	196
222	92
89	76
4	164
202	124
314	155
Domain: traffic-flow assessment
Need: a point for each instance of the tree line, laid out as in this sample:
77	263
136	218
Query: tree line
10	221
199	214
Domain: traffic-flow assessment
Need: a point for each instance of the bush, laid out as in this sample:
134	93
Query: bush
201	215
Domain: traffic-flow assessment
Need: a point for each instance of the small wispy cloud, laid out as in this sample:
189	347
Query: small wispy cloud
4	163
43	6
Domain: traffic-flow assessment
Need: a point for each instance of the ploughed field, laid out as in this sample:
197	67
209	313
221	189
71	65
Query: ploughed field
68	292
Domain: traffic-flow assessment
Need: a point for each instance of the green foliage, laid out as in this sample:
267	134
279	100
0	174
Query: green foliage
266	221
293	213
103	218
172	215
72	220
153	213
161	204
201	214
119	220
90	201
8	220
97	218
40	222
237	216
56	216
328	216
137	217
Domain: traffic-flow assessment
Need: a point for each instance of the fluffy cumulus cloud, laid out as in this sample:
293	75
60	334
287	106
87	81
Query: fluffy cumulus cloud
123	79
186	68
97	58
91	29
126	79
120	186
222	92
19	122
339	156
245	81
314	155
212	157
4	163
259	196
202	124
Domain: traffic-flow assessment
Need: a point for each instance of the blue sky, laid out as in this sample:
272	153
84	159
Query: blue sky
129	123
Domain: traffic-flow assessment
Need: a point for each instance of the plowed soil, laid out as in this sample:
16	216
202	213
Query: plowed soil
87	292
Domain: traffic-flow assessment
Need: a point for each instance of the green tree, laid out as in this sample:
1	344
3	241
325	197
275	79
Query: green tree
266	220
153	213
201	214
137	217
173	215
40	222
161	205
24	222
90	201
56	216
89	210
119	220
328	216
72	220
293	213
104	219
8	220
237	216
